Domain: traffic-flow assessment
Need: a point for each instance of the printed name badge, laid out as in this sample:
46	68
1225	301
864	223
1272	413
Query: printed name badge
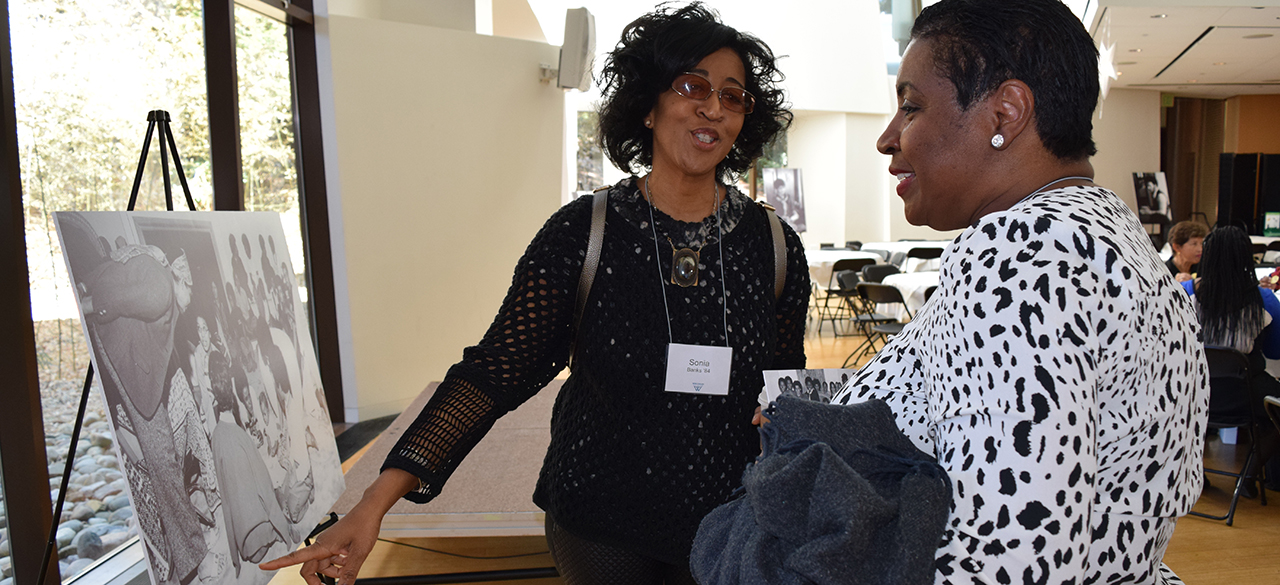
698	369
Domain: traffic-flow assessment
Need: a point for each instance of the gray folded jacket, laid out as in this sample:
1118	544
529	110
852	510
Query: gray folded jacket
839	495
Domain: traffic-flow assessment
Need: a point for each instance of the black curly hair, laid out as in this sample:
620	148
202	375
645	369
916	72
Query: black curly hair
657	47
980	44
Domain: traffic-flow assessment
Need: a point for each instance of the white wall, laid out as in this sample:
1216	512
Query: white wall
817	145
1126	128
450	156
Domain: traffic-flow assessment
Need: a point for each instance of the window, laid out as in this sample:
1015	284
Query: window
85	75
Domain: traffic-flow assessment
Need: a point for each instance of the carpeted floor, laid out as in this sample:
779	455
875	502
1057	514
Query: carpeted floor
360	434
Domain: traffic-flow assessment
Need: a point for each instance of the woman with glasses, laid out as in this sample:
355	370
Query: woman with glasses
684	282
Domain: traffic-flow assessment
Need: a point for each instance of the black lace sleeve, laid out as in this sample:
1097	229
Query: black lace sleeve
793	307
523	350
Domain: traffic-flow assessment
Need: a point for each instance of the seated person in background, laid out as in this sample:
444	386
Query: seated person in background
1235	312
1056	373
1187	240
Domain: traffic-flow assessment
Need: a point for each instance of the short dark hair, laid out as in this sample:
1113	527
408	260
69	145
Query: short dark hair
979	44
1183	231
657	47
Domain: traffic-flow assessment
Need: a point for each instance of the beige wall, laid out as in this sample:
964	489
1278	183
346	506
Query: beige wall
449	155
1257	125
453	14
1126	128
816	144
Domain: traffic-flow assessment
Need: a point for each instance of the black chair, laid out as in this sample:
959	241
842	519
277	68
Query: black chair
1259	252
873	295
831	306
924	253
1274	245
876	272
862	314
853	245
1232	403
928	292
826	246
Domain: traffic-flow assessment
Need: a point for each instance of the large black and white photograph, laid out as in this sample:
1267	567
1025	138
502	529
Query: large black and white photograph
785	192
1153	198
197	332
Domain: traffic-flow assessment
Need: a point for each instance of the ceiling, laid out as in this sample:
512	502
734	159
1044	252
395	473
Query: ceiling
1192	51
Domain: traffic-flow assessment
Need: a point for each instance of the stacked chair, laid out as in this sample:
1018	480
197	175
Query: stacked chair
875	326
831	301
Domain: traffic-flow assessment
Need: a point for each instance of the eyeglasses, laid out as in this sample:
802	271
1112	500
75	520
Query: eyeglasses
697	87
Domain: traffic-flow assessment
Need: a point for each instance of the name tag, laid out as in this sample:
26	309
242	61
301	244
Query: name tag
698	369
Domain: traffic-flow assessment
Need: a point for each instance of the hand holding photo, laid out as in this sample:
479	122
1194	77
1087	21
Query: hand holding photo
815	385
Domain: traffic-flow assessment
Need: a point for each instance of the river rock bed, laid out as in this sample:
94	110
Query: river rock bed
97	516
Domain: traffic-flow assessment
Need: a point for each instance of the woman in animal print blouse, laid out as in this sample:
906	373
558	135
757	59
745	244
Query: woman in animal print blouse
1056	373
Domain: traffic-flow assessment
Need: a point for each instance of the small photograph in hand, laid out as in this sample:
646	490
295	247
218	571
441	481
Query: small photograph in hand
815	385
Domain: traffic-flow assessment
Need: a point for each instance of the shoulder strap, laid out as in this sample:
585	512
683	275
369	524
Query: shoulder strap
595	241
779	252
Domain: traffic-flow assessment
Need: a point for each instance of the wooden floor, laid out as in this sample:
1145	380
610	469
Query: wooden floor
1203	552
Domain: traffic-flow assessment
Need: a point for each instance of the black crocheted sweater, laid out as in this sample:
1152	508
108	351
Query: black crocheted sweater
629	464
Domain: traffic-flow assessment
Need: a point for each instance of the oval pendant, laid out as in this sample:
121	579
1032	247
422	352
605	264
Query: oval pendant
684	267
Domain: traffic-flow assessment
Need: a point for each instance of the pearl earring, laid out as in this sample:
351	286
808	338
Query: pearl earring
648	123
997	141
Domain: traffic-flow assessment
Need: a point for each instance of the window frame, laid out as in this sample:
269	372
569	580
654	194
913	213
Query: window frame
22	449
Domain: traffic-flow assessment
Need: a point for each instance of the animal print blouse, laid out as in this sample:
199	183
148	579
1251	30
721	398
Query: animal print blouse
1057	376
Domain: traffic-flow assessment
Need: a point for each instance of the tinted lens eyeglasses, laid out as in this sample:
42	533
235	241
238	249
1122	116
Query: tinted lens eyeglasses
697	87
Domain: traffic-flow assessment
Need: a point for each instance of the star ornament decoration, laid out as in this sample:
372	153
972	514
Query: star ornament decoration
1106	67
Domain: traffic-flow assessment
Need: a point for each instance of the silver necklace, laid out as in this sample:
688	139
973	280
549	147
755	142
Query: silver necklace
1046	186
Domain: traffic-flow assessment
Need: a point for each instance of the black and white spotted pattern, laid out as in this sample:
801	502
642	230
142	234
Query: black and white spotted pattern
1057	377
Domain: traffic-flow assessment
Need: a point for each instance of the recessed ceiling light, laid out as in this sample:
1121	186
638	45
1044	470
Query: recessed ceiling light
1259	36
1159	15
1220	63
1135	50
1119	73
1191	81
1127	63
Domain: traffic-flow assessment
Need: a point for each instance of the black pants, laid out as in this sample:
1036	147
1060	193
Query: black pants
583	562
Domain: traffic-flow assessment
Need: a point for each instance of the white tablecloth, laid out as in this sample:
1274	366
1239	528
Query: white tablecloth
822	261
912	286
912	264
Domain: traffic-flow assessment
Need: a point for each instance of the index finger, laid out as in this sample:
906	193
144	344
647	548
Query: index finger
314	552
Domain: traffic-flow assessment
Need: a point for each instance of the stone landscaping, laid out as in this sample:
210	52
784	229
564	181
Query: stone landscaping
97	516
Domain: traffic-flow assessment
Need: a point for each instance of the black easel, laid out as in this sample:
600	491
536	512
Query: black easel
154	118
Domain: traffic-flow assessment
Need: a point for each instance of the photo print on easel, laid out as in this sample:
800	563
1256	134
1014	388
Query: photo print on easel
1152	194
785	192
210	377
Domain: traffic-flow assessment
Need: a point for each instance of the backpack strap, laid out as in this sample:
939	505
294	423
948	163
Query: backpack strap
779	252
595	241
